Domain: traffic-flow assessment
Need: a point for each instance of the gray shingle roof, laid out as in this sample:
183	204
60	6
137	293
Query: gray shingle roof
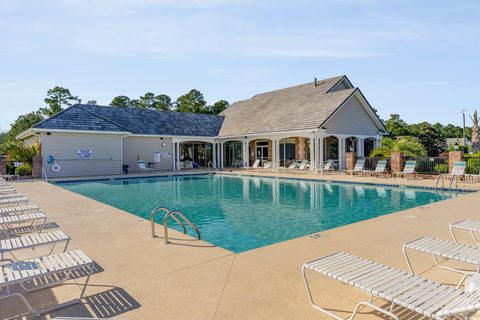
301	107
136	121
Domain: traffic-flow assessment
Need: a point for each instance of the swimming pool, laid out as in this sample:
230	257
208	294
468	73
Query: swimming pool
240	213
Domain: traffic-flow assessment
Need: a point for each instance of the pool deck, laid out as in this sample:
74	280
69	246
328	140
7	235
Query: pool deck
141	278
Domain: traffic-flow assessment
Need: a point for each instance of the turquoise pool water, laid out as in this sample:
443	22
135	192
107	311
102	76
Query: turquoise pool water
243	213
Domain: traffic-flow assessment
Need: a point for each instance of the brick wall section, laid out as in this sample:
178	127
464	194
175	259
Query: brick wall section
452	157
3	164
37	167
396	161
350	160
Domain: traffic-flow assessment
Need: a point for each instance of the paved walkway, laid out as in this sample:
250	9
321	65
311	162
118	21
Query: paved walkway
141	278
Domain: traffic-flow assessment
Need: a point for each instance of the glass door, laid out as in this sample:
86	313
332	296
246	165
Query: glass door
262	151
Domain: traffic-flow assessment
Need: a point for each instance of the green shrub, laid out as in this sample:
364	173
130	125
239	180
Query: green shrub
24	169
472	167
441	168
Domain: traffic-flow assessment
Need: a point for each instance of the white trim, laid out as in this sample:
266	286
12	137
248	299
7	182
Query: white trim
25	133
342	79
290	133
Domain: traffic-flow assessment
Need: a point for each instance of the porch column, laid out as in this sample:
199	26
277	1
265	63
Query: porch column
321	155
246	155
312	154
221	156
174	156
214	155
376	143
276	163
360	147
341	153
178	156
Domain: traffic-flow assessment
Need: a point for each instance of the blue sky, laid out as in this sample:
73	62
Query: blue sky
416	58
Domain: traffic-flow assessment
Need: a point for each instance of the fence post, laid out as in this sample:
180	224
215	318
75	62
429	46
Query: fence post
396	161
350	160
452	157
37	167
3	164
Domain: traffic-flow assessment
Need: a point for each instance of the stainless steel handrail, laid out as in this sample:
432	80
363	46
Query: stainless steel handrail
152	222
172	214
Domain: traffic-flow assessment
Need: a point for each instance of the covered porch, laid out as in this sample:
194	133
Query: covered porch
282	149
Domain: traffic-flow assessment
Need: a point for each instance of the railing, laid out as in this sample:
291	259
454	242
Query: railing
473	164
430	165
171	214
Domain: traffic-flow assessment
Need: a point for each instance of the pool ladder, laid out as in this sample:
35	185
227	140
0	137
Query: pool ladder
171	214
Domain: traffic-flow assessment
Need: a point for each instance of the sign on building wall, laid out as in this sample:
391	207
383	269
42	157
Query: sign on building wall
158	156
84	153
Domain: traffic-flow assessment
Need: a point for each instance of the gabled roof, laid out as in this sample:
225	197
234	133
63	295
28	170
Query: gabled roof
133	120
302	107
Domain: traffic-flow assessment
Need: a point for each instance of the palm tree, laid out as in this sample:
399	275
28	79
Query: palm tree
475	132
410	146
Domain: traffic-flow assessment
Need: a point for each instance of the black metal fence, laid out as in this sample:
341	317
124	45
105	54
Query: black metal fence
430	165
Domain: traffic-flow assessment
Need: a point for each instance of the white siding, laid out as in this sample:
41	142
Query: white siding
135	148
106	154
352	118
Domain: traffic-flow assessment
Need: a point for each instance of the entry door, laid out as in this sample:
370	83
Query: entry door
262	151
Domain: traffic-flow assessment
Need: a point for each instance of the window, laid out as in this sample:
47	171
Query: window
157	157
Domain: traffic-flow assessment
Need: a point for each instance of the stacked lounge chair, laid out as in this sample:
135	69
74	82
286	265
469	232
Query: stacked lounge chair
20	230
380	169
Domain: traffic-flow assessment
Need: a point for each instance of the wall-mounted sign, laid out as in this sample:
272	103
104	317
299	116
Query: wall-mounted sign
158	156
84	153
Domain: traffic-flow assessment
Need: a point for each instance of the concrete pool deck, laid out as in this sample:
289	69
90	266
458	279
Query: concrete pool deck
141	278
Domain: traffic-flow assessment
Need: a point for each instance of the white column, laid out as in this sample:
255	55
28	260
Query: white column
312	154
341	153
276	163
174	156
214	155
222	162
178	156
246	159
359	147
317	155
376	143
320	153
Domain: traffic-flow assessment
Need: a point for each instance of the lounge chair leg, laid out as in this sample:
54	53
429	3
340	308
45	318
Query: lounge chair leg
453	234
385	312
474	238
404	249
311	298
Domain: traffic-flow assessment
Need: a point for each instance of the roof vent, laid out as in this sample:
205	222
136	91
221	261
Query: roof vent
315	82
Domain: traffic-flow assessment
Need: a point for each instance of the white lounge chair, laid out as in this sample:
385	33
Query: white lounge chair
255	165
472	226
13	221
358	167
58	268
380	169
13	201
18	209
9	177
458	172
329	166
143	168
8	190
32	241
303	166
412	292
267	165
408	170
447	250
11	195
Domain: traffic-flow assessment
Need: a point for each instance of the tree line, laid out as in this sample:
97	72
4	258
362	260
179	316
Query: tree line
59	98
423	138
